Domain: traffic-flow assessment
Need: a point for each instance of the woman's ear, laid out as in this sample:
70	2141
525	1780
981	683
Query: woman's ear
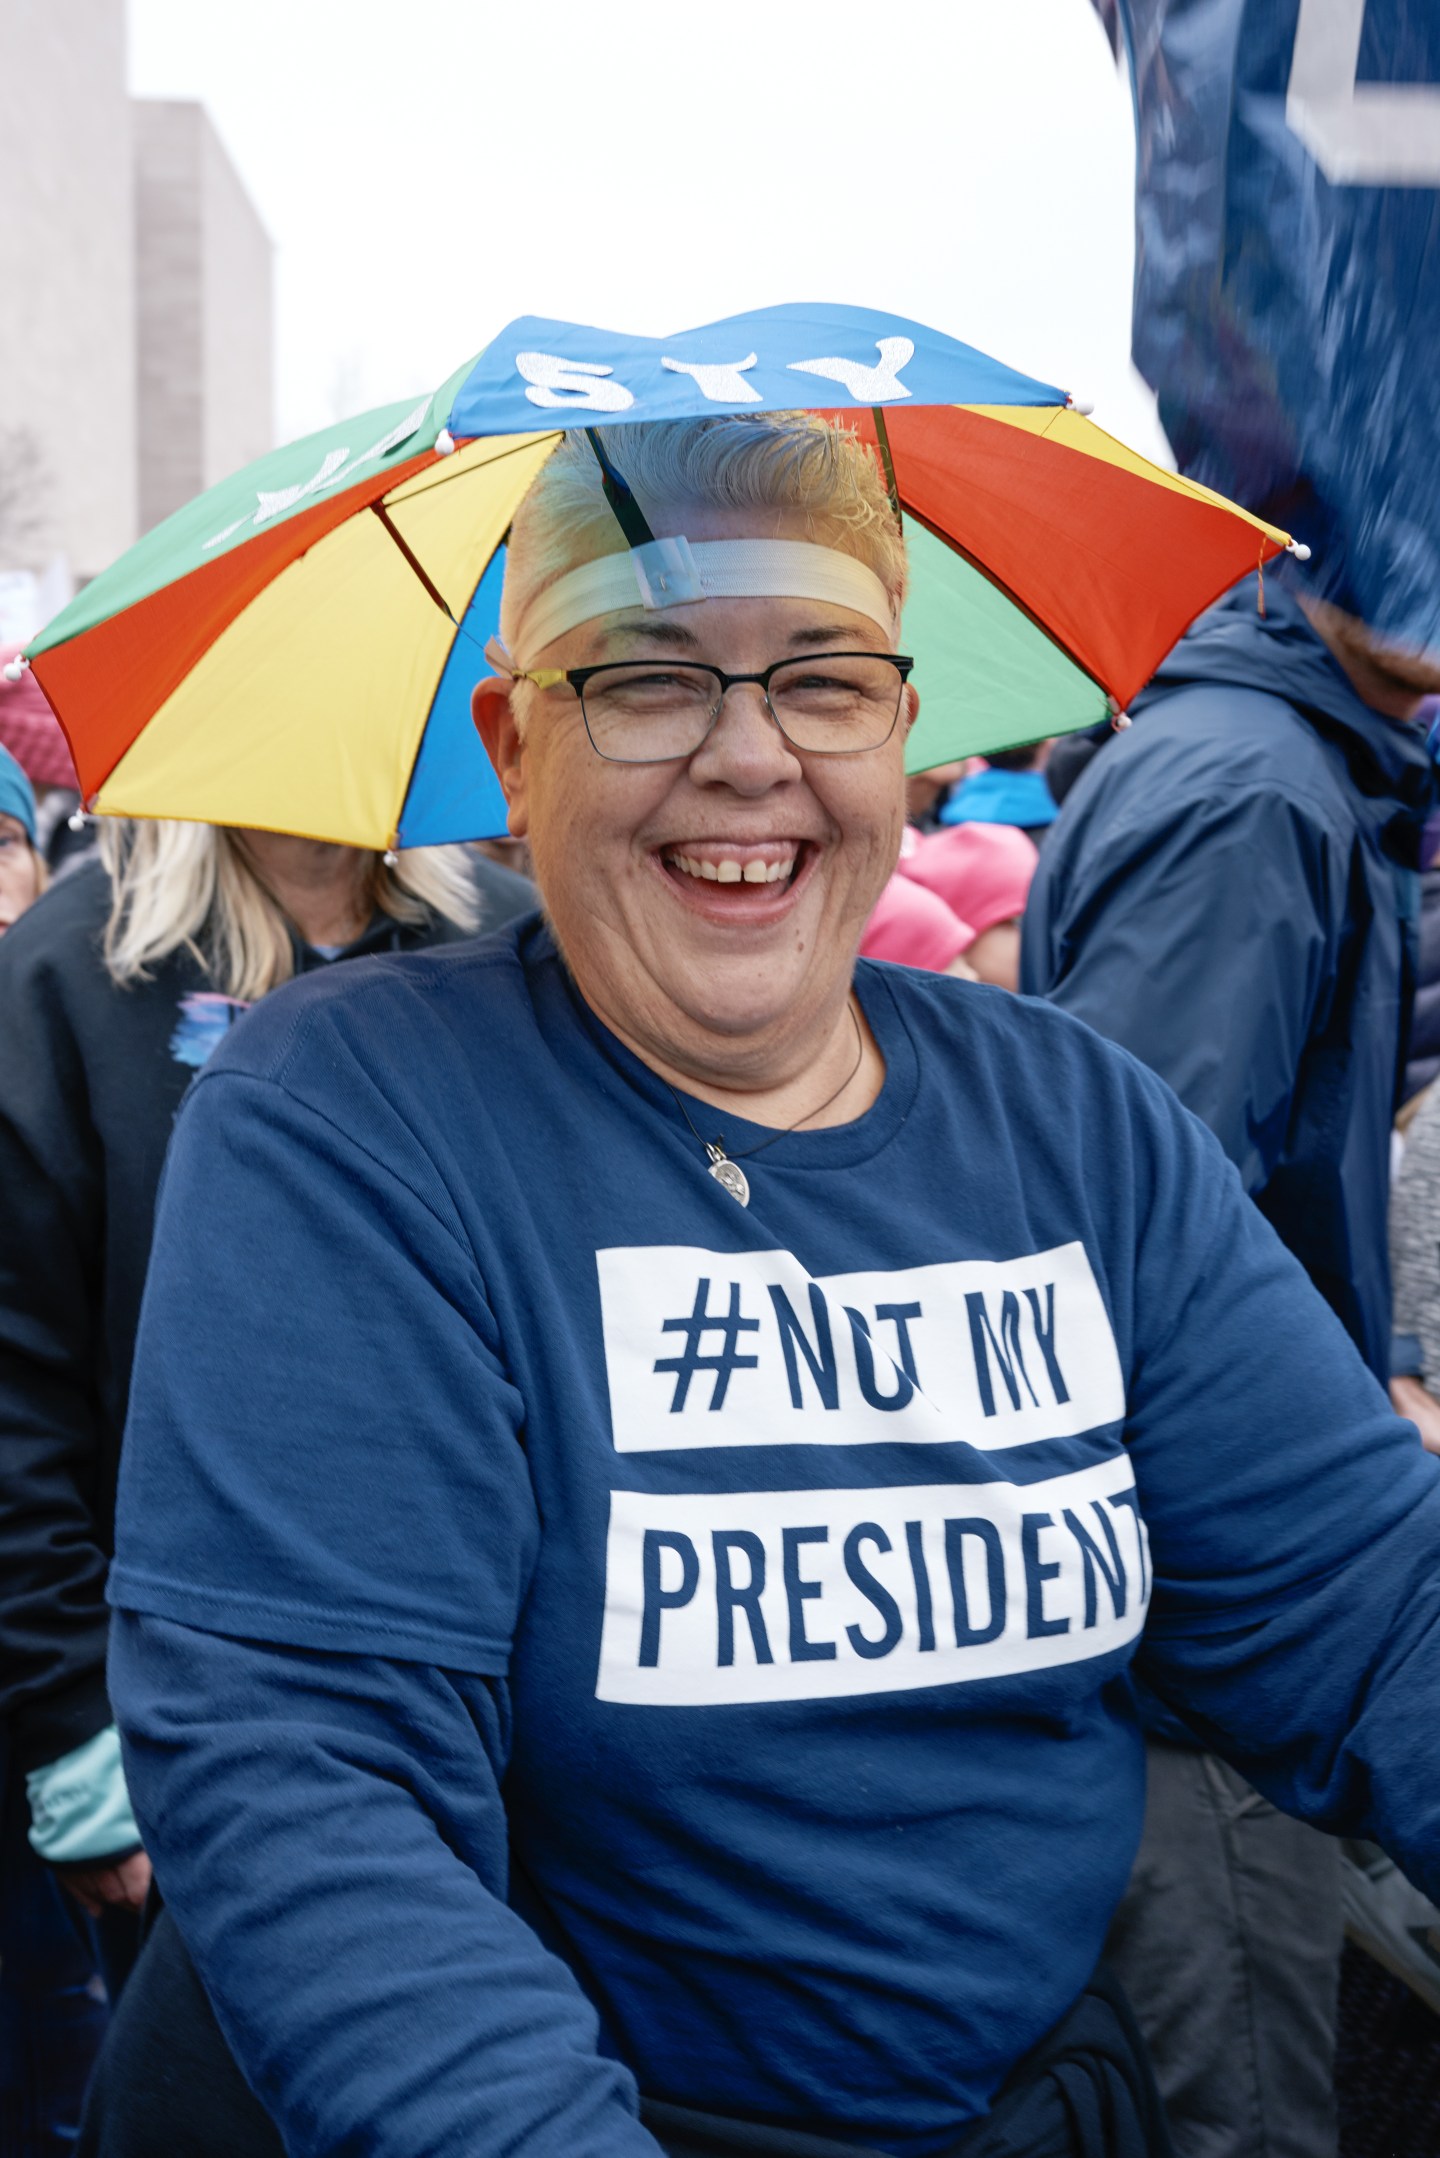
493	711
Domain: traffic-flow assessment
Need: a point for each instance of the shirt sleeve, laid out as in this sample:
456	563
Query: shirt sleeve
1293	1519
324	1448
326	1530
80	1812
330	1835
1202	939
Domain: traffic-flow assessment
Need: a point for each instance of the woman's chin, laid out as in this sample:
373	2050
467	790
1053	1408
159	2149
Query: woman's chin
737	1001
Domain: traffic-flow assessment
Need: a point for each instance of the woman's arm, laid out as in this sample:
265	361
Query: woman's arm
325	1536
1293	1519
329	1833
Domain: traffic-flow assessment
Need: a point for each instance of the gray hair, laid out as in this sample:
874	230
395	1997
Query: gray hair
744	461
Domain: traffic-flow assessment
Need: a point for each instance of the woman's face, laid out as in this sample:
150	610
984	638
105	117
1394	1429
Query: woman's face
711	977
20	872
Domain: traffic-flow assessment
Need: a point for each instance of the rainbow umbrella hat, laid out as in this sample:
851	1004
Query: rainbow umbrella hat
295	649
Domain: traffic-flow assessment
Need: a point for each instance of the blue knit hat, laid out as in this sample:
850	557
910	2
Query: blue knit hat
17	796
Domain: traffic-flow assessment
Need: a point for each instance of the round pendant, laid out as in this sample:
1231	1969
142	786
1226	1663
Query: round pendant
733	1177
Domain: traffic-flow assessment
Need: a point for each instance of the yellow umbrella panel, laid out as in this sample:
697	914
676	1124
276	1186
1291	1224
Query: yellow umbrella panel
305	714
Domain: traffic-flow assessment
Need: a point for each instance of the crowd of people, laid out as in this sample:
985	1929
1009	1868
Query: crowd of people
313	1799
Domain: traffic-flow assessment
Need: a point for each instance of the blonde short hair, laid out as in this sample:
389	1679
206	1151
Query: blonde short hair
191	887
753	461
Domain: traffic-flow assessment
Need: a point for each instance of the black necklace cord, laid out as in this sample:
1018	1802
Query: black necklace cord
716	1148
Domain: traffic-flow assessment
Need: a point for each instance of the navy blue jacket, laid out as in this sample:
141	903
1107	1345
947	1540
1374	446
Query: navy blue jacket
1231	893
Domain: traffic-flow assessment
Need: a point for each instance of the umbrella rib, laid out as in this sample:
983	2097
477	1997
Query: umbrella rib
882	436
414	561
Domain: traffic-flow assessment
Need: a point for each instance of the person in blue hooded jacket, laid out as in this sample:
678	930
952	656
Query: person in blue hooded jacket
1231	893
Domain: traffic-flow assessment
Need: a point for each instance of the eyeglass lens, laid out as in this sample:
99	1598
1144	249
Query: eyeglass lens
832	704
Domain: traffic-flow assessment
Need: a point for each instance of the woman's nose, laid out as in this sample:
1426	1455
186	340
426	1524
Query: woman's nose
745	748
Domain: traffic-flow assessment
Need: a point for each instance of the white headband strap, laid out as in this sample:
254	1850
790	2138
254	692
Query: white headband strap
673	573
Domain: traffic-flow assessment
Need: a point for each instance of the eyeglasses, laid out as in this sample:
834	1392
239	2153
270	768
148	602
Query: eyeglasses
831	704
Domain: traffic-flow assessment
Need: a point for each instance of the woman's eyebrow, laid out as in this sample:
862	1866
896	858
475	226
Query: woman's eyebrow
837	638
834	637
670	633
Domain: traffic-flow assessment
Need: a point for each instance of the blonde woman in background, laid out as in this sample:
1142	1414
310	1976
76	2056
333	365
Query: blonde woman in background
113	992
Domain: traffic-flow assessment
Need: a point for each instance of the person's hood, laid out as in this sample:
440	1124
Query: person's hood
996	796
1233	643
30	730
17	796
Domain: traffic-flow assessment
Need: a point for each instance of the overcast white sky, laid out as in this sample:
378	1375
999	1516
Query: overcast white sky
429	169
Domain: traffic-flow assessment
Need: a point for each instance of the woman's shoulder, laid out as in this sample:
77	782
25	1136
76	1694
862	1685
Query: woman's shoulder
948	1005
1023	1046
63	928
401	1016
54	983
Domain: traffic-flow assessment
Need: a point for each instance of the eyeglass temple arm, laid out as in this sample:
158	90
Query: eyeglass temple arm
542	677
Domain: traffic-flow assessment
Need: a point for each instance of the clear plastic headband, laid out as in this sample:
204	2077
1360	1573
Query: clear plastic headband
673	573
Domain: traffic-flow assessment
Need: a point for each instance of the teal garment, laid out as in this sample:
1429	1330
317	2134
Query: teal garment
79	1805
1000	797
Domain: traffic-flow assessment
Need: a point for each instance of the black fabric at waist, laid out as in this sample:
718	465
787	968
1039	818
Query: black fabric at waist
1086	2091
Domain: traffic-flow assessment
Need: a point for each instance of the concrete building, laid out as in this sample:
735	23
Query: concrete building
204	325
68	430
136	359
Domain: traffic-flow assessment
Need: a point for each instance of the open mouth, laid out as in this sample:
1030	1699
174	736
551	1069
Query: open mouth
736	874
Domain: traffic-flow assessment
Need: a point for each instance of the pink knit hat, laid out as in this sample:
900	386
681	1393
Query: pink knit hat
913	926
30	730
981	871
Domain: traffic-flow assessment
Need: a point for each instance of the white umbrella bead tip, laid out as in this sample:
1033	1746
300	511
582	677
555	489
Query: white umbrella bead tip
15	669
1083	405
444	442
1299	549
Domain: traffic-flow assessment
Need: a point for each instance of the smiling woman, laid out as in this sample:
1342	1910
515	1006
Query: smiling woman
642	1662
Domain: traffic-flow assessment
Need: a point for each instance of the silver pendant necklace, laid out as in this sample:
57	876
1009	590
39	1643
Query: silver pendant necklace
725	1167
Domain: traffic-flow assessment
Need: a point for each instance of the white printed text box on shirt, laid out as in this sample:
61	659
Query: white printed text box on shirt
802	1595
707	1348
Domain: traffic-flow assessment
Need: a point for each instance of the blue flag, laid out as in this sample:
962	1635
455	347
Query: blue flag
1287	291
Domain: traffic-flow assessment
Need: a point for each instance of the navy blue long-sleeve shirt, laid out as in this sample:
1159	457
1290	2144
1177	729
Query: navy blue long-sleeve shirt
573	1631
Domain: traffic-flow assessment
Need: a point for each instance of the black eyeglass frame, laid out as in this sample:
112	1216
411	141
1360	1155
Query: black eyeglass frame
577	679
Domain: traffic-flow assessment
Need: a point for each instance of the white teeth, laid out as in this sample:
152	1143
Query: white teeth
731	872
